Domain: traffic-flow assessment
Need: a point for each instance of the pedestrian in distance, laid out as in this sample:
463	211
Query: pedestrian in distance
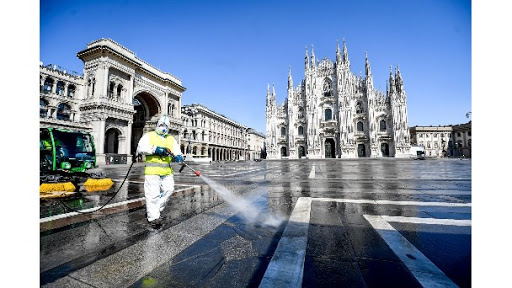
160	149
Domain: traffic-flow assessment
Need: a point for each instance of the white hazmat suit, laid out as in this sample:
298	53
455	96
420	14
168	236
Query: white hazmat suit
158	188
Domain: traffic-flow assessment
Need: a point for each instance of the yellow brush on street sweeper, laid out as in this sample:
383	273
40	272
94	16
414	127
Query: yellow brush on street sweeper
65	157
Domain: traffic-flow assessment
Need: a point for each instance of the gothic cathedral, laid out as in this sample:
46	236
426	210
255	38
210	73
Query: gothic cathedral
335	114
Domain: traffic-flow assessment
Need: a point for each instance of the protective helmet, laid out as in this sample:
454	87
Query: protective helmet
163	125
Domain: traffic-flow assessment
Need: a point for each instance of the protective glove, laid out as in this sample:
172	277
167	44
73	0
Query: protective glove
161	151
178	158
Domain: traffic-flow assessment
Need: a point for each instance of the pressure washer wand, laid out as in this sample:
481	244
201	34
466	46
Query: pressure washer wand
185	164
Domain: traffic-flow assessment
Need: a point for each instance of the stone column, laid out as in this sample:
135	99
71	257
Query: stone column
128	148
98	131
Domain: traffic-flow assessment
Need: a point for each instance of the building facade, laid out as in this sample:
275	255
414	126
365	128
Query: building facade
211	135
119	97
443	141
334	113
255	144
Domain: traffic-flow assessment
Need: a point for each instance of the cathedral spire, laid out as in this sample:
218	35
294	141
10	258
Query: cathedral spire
345	53
290	80
368	70
306	59
313	61
273	92
338	53
391	80
399	80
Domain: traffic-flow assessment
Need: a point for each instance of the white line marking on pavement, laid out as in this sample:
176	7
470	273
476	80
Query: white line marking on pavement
287	265
52	218
389	202
426	272
312	173
432	221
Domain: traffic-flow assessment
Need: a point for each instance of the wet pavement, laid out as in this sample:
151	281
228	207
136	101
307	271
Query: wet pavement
355	223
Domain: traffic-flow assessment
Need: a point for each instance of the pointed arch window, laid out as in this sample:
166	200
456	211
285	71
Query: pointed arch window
300	115
382	125
301	131
360	126
359	107
328	114
327	88
63	112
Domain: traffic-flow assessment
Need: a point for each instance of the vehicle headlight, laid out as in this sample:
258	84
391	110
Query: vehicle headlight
87	165
65	165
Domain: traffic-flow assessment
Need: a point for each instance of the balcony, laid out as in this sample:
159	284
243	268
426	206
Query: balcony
329	124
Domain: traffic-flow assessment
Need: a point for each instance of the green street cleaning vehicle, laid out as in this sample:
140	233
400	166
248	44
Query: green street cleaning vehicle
65	158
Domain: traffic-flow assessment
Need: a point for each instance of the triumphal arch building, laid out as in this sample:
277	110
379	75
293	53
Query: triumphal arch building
118	98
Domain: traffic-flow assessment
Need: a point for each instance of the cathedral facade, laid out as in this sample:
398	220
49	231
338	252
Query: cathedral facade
334	113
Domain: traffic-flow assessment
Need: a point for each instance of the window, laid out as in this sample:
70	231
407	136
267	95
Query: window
428	144
469	133
458	134
421	144
435	145
43	108
327	88
359	108
360	126
71	91
301	131
469	143
328	114
119	89
48	83
111	90
63	112
301	113
421	135
60	88
435	135
382	125
283	131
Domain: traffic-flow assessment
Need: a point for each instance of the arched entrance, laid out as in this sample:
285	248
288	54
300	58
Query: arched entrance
112	141
283	152
302	152
146	106
384	149
330	148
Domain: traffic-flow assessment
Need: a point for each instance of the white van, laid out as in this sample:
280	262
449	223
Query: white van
417	152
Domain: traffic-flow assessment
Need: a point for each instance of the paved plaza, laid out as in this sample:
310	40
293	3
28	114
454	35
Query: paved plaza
297	223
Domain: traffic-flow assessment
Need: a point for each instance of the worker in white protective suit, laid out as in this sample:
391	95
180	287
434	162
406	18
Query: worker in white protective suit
160	149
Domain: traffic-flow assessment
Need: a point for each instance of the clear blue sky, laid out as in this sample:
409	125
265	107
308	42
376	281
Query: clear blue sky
226	52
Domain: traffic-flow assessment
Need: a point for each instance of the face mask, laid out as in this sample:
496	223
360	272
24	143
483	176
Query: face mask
162	130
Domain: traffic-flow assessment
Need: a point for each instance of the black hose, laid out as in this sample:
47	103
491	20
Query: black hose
72	209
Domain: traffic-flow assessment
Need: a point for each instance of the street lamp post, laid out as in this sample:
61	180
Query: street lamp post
190	111
443	151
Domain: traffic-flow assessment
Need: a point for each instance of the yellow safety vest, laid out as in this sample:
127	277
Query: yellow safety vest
159	165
